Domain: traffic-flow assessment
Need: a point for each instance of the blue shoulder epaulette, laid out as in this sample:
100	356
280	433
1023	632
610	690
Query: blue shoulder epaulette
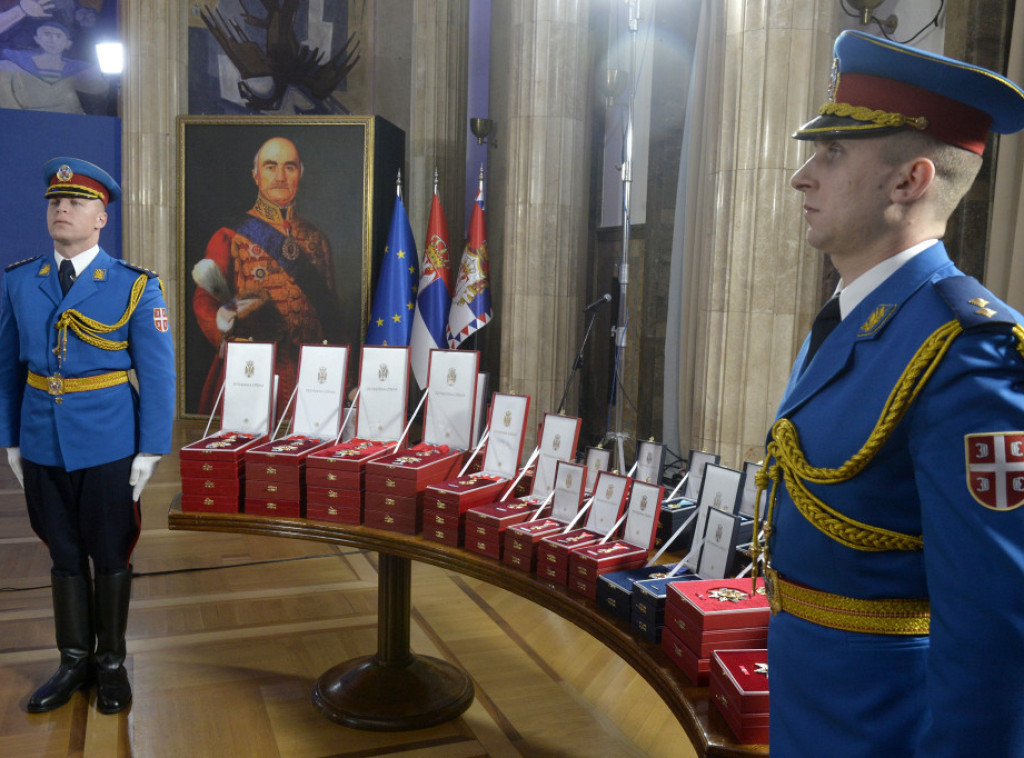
139	269
971	303
22	263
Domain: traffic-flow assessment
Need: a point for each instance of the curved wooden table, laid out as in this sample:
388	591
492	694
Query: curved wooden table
361	693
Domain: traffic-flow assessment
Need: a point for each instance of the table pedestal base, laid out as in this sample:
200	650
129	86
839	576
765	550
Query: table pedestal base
393	690
366	693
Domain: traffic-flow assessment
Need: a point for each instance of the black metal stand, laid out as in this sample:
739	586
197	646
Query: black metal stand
578	363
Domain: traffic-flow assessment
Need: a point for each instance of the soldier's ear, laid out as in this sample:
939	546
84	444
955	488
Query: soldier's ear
913	180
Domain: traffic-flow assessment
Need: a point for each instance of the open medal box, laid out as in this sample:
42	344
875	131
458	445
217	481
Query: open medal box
335	474
739	689
713	614
445	504
486	524
395	482
212	471
648	600
628	552
521	539
615	588
720	491
603	514
275	471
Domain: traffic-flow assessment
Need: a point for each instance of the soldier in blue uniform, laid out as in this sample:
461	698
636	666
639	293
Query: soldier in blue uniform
894	532
83	436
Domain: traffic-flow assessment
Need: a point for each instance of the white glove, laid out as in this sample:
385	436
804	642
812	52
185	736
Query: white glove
226	319
14	459
143	466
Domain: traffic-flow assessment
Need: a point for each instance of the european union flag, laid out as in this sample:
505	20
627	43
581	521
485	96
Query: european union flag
394	302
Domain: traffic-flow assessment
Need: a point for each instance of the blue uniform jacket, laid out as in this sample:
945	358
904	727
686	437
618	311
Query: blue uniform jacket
97	426
957	692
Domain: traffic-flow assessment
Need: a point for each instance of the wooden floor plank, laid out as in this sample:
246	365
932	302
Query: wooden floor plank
229	632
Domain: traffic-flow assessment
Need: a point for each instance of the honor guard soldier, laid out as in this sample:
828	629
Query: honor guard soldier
894	550
81	438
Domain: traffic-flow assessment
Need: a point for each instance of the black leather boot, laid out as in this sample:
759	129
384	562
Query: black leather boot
113	591
71	618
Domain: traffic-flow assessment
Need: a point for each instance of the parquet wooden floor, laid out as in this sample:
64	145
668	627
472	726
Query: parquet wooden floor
228	633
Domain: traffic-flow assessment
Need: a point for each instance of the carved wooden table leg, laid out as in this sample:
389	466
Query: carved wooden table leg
393	690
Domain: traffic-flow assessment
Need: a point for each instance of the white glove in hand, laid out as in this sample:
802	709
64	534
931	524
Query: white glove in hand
14	459
226	318
143	466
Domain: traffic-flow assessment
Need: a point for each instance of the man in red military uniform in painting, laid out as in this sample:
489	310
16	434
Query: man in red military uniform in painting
268	278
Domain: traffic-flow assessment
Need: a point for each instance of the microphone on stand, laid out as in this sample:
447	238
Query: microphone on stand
605	298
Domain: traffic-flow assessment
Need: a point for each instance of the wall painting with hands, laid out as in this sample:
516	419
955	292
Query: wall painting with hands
48	59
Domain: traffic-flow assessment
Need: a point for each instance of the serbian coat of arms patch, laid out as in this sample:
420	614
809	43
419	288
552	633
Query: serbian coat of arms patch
995	469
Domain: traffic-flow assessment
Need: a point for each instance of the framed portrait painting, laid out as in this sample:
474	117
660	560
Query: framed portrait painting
281	224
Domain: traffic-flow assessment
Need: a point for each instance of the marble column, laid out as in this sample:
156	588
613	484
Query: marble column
438	116
764	282
545	198
153	94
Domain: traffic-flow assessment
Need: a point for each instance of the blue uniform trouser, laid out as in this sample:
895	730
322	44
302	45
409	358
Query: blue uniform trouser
83	514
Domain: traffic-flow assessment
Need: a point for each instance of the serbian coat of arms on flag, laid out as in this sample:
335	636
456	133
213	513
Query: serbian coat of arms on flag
995	469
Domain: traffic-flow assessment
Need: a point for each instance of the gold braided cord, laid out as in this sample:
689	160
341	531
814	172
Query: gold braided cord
89	329
1018	332
869	115
791	466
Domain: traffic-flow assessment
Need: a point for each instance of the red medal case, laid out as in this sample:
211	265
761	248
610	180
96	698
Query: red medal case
486	524
336	475
605	509
275	471
739	689
521	540
697	669
630	552
710	614
212	469
452	498
395	483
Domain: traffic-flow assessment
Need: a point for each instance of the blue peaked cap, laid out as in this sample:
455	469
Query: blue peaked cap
73	177
878	87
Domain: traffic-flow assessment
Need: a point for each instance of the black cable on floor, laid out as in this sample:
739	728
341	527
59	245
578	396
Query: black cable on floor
138	574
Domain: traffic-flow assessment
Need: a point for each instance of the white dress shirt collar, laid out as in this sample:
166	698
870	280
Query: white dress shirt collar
81	261
851	296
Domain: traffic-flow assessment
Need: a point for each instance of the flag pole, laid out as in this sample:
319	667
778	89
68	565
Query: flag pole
617	433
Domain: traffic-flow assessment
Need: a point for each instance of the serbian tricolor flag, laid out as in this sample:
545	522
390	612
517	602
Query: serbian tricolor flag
434	298
471	303
395	299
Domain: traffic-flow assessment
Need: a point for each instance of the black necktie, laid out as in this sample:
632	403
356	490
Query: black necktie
828	318
67	275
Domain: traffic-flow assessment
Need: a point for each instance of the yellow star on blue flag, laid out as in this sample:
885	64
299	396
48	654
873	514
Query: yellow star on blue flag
398	276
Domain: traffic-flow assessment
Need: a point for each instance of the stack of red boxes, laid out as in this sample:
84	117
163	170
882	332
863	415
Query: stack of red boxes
213	474
336	475
445	504
275	472
395	483
712	614
630	552
521	539
335	479
212	471
486	524
606	506
739	689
